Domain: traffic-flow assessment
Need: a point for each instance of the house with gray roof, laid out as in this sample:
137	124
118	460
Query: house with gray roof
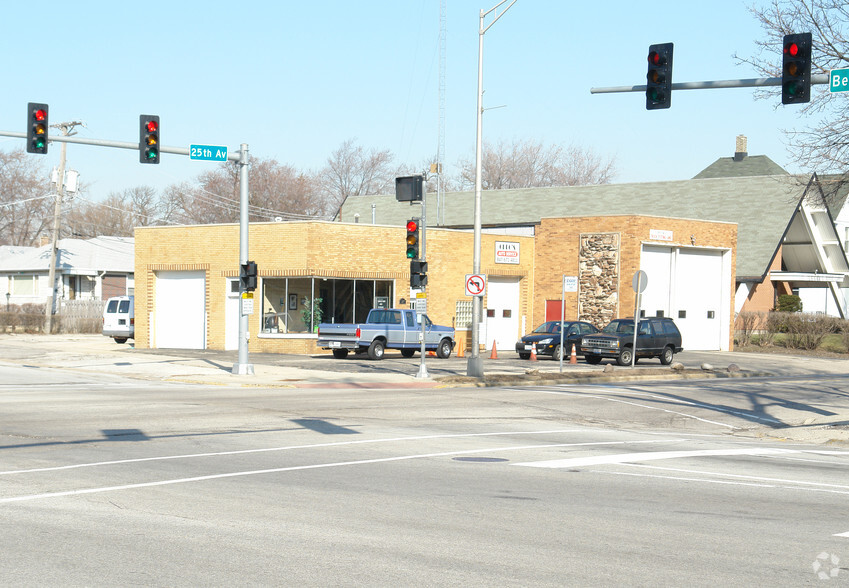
91	269
787	241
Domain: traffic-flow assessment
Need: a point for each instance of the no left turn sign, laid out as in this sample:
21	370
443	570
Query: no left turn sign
475	285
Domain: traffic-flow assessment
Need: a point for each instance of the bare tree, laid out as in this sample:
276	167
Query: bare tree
353	171
531	164
823	146
113	216
276	191
26	199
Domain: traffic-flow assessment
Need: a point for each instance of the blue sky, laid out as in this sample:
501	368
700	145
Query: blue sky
294	80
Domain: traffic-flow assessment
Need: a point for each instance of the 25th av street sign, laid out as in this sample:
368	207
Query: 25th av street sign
208	152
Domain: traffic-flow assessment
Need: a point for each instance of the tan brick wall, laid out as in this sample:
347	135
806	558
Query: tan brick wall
321	249
558	242
764	296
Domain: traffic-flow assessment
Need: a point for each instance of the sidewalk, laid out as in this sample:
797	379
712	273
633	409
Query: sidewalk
98	354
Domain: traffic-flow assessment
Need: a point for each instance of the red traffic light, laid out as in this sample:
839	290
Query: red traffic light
656	58
796	69
37	123
149	138
412	226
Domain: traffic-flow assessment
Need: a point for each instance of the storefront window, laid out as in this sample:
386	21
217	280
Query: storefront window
298	305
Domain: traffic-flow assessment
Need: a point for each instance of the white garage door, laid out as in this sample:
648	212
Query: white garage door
180	314
690	286
502	313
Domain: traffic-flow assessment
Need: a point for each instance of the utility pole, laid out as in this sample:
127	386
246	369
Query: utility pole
474	366
67	129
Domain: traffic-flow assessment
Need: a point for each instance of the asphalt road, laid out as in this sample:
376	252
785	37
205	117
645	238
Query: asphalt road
110	481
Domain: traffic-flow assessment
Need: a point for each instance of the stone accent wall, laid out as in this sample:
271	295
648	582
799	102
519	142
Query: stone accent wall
598	278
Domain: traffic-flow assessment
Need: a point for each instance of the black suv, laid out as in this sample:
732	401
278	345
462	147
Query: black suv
657	337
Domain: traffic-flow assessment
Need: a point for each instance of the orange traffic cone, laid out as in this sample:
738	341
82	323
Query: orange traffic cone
460	349
533	352
574	357
494	354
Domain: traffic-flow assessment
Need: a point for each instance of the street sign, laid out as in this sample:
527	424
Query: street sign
475	285
208	152
570	283
640	281
838	80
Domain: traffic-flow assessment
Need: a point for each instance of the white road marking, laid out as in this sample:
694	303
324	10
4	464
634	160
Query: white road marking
310	467
742	476
288	448
846	534
576	462
728	482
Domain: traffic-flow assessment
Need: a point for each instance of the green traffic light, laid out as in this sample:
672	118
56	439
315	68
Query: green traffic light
151	154
411	252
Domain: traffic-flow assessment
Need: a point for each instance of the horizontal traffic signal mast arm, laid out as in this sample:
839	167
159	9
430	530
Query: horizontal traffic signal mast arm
232	156
709	85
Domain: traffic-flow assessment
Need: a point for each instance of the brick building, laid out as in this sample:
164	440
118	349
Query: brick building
187	292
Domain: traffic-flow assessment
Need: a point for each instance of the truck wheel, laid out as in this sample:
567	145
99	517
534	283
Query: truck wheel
624	356
524	356
444	349
408	352
120	340
376	349
340	353
593	359
667	355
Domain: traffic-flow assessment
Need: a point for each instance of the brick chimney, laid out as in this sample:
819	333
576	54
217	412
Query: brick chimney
740	150
45	240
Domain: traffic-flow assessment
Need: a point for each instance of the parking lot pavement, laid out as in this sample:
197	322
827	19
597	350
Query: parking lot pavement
98	354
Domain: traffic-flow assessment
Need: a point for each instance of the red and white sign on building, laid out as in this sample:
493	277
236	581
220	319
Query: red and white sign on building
506	252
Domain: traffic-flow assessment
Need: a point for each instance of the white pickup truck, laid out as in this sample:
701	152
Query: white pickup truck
386	328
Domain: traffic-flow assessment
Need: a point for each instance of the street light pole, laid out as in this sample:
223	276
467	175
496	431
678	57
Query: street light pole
474	366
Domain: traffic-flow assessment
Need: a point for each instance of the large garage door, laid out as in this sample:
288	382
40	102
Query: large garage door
689	286
180	314
699	298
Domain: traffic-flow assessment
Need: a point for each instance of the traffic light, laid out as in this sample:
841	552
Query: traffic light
409	188
796	72
36	128
247	277
418	273
148	138
412	238
659	77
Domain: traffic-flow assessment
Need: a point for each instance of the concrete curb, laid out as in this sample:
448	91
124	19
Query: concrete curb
492	380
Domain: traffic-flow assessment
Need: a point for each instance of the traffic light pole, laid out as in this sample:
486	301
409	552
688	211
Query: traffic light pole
422	255
710	85
242	367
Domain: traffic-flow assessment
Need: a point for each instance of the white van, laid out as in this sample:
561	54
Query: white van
119	318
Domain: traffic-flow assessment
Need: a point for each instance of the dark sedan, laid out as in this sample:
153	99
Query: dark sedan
546	339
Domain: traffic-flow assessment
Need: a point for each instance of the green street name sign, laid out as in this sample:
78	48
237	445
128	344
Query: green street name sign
208	152
838	80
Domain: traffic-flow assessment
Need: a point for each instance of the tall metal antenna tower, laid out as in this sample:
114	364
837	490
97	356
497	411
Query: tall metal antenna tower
440	150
